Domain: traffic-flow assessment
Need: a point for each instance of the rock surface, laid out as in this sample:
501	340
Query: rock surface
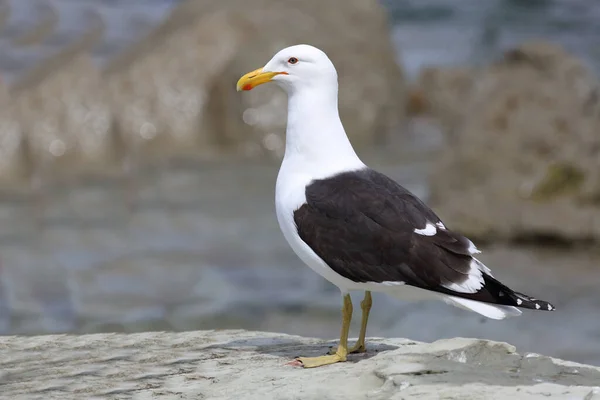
523	159
240	364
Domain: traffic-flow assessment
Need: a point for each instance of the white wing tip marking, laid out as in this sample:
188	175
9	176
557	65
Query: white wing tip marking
473	249
429	230
482	267
473	283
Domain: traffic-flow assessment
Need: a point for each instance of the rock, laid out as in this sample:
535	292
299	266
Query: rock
440	92
67	120
162	97
173	93
60	110
194	59
227	364
524	162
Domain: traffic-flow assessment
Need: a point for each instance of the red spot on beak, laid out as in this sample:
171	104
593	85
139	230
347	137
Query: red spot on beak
247	87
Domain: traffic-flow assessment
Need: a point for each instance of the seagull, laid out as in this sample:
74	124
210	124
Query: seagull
356	227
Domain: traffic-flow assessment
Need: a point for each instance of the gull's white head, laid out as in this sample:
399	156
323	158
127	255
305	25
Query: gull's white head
316	142
293	68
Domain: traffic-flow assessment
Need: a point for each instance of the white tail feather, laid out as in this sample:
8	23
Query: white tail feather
492	311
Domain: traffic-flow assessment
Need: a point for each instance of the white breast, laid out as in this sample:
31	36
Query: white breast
289	196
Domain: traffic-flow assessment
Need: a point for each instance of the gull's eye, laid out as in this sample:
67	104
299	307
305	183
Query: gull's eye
293	60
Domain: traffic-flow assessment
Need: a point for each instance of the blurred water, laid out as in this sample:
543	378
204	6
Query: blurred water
468	32
194	245
124	22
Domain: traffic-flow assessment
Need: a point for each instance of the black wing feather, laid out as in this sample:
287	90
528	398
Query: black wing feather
362	224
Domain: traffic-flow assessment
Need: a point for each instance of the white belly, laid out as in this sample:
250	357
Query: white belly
290	195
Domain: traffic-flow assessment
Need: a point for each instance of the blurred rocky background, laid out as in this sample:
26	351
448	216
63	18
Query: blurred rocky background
136	185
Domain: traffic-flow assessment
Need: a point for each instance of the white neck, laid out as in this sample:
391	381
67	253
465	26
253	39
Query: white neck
316	142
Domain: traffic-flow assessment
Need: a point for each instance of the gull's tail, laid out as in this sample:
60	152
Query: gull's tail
496	300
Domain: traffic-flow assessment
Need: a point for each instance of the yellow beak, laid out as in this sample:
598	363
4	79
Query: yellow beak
255	78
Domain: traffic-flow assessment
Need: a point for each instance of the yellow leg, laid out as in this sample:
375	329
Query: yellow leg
365	305
342	350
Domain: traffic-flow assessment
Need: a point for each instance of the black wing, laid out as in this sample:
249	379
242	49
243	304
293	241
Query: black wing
362	224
